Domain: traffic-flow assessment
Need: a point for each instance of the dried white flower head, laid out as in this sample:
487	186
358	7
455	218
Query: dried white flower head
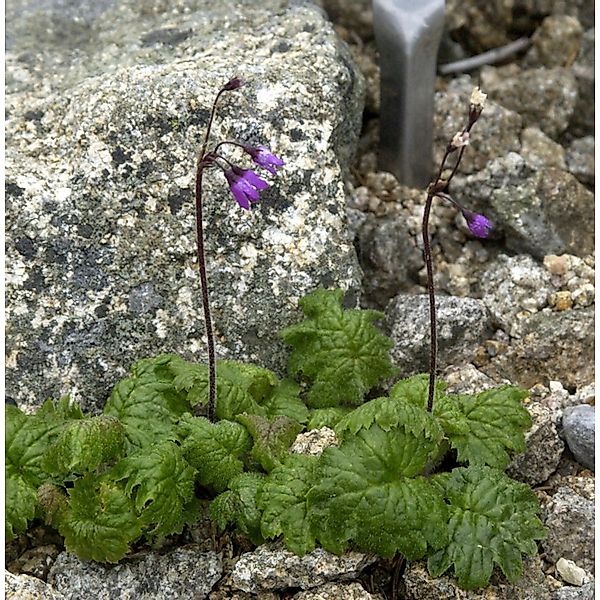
460	139
478	99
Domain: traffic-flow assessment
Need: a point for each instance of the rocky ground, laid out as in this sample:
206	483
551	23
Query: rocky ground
101	124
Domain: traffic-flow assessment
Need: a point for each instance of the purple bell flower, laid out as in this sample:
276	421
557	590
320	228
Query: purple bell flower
264	158
479	225
245	185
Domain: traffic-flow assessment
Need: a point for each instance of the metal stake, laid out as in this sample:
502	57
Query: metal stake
408	34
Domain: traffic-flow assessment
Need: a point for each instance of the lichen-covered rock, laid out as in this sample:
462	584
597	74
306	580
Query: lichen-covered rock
497	132
271	568
462	323
532	586
568	592
579	425
556	42
544	448
553	346
25	587
545	98
99	171
159	576
513	288
314	442
569	518
540	212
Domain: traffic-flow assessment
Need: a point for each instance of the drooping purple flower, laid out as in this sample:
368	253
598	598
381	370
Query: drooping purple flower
264	158
245	185
479	225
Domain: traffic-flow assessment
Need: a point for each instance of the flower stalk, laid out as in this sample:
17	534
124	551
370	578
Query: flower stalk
245	186
479	225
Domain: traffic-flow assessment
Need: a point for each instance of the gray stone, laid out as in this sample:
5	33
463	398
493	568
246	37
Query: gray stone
571	573
544	448
570	522
153	577
534	10
462	324
513	288
314	442
25	587
539	212
532	586
556	42
271	568
568	592
583	119
497	132
335	591
389	258
581	160
545	98
555	346
101	143
578	428
540	151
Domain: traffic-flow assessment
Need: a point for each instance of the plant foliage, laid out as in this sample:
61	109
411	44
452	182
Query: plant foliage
138	471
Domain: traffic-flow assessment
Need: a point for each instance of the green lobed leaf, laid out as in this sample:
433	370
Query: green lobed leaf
284	400
390	413
147	404
327	417
415	390
238	505
20	501
485	428
216	450
272	439
369	479
339	351
84	445
99	522
493	520
282	500
161	483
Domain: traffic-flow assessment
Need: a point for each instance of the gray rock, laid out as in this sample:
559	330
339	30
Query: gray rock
462	324
100	159
271	568
24	587
389	258
581	160
545	98
540	151
555	346
555	42
583	119
314	442
568	592
570	522
533	10
571	573
578	428
540	212
513	288
496	133
155	576
544	448
532	586
335	591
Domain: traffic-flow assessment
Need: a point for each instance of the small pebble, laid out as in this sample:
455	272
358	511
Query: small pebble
578	428
570	572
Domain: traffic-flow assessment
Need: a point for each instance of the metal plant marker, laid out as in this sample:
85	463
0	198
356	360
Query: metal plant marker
408	34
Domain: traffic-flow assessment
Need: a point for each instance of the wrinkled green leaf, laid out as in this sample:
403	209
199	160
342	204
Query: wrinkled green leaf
161	483
365	492
485	428
272	439
238	505
493	520
338	350
327	417
20	501
282	499
216	450
415	390
284	400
